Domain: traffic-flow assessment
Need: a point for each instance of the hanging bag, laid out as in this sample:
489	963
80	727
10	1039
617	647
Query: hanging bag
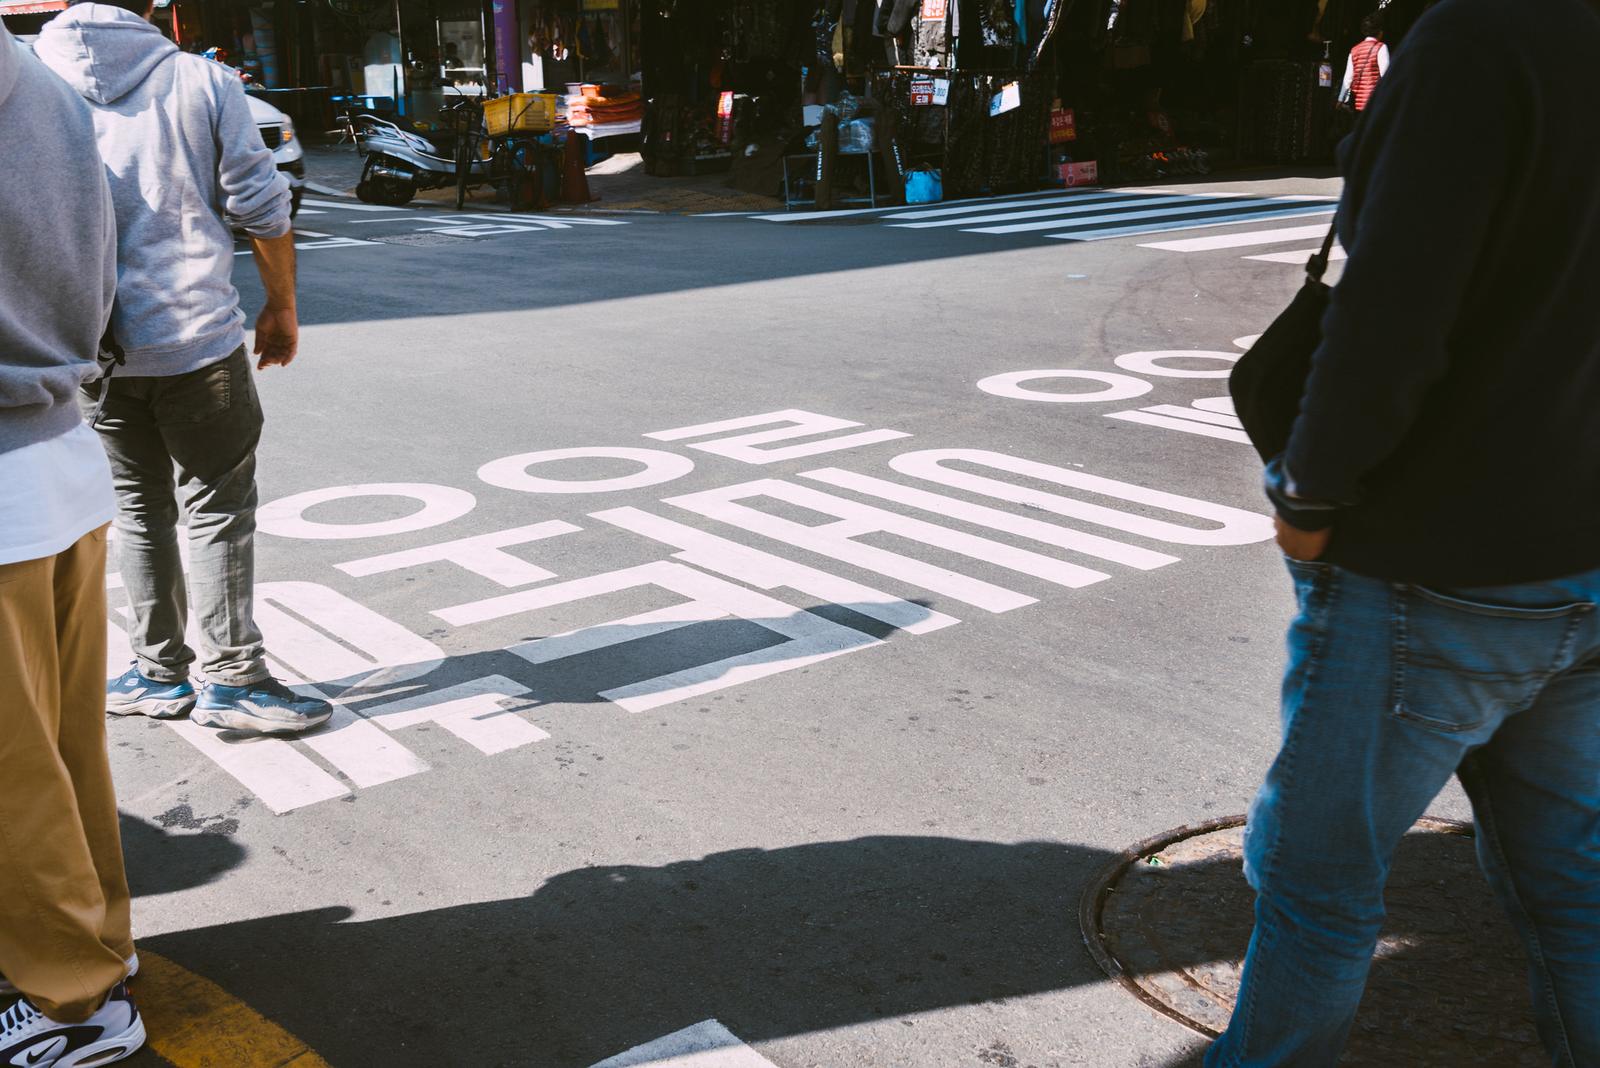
1269	380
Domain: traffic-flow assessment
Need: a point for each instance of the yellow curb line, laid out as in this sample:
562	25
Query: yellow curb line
194	1023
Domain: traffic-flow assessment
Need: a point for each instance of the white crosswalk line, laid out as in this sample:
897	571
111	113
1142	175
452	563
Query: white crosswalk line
1057	212
1244	240
707	1044
344	205
1194	224
965	209
1299	256
1170	206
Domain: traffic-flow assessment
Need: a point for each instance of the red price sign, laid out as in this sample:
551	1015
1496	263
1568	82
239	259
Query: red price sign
1063	126
921	92
935	10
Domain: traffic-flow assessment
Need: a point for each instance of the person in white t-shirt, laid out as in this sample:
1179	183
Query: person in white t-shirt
66	941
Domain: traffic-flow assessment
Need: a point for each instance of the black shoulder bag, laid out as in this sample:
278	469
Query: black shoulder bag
1269	380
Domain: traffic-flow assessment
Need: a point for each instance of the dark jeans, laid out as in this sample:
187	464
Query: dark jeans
189	437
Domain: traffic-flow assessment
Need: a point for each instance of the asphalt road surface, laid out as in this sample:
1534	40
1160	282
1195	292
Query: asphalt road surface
774	622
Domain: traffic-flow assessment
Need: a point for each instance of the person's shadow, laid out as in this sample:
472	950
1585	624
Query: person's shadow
771	942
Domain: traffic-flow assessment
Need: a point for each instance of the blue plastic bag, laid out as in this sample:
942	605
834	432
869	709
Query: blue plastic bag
923	186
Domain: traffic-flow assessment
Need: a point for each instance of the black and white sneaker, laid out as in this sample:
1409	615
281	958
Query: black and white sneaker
30	1038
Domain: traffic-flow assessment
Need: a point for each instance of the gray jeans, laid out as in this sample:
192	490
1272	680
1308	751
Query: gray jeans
191	437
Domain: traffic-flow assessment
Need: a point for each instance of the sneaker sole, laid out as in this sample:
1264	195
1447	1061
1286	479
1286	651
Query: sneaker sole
240	720
107	1050
169	708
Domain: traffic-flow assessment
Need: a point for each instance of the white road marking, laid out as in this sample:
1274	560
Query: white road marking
1253	237
1106	213
1186	424
1300	256
477	712
1195	224
707	1044
1160	218
345	205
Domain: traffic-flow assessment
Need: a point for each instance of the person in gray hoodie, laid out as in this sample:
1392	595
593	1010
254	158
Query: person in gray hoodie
66	940
186	166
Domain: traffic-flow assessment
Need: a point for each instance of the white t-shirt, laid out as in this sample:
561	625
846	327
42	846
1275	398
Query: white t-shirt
52	493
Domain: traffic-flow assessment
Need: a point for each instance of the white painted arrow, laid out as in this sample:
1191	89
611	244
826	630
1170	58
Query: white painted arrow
705	1045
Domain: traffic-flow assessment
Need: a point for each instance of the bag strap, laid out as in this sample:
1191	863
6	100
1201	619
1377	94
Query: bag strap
1317	265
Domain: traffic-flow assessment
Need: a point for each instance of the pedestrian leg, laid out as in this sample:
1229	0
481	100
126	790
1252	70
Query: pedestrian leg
1348	782
1536	794
211	423
53	911
147	524
80	589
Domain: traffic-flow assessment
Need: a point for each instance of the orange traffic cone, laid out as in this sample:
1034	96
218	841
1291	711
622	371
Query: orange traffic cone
574	182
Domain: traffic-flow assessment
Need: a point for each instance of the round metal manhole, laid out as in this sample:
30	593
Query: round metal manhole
1170	918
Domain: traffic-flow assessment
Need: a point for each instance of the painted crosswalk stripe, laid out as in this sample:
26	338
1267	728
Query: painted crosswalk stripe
707	1044
976	207
1244	240
1241	215
978	203
344	205
1300	256
1112	210
1146	218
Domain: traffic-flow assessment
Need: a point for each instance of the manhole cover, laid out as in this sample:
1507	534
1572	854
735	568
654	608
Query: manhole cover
1170	920
423	239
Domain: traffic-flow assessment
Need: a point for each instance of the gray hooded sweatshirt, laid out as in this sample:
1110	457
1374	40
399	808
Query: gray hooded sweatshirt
58	250
185	161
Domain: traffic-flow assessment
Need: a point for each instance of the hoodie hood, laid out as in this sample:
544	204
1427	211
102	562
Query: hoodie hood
102	51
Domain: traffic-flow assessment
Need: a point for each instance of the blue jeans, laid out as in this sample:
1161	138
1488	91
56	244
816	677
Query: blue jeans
1390	690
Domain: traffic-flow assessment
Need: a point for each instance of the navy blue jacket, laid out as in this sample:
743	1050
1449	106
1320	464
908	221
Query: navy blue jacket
1452	415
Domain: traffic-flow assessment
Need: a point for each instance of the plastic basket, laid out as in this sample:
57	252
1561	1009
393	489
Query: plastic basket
527	112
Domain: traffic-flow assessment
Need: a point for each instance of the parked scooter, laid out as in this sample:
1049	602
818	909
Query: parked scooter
400	163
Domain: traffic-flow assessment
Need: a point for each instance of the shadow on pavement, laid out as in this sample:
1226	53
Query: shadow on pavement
159	862
772	942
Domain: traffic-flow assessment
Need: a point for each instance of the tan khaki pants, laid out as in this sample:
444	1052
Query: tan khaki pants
64	911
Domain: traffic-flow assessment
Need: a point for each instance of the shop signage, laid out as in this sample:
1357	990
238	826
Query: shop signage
1085	173
725	117
1063	126
935	10
921	92
941	91
1325	75
1007	99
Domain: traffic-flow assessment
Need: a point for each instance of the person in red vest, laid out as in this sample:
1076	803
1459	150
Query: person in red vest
1368	63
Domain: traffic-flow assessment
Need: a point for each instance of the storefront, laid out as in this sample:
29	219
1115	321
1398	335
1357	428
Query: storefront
992	95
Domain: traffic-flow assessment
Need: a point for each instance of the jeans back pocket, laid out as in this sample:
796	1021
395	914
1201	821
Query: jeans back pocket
1460	664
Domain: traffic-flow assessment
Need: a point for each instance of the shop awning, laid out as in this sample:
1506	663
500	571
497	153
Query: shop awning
31	7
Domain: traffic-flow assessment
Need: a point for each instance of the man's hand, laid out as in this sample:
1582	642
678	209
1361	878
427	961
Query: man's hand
277	337
1300	544
278	327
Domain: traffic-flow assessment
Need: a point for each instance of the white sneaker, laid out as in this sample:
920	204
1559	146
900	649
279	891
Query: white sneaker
8	990
29	1037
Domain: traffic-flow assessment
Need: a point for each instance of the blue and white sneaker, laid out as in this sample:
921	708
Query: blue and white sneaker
265	707
28	1036
131	694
